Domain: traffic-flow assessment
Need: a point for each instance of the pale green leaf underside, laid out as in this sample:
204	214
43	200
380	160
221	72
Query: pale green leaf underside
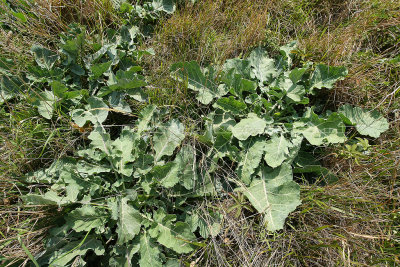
73	249
176	237
86	218
44	58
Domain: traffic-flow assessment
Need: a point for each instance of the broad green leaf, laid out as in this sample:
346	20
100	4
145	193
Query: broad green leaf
6	65
74	184
168	174
62	91
208	225
320	131
143	164
58	88
297	74
174	235
370	123
71	48
74	249
293	91
306	163
274	195
128	35
122	254
251	126
325	76
91	168
197	80
284	61
223	145
117	102
222	121
45	104
100	140
263	66
100	69
250	157
45	58
76	69
123	85
129	222
276	150
125	81
122	151
167	138
20	16
239	66
49	198
96	112
87	218
145	117
10	87
186	161
167	6
92	59
230	104
237	84
172	263
149	252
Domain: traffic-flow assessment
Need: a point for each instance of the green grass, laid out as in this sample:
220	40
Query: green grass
355	221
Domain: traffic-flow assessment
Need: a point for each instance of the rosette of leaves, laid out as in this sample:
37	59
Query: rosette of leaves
128	201
64	80
261	118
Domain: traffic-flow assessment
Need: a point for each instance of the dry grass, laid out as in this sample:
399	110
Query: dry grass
45	20
210	32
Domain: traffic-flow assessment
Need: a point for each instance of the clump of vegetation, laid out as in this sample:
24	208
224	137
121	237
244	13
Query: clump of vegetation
138	192
220	135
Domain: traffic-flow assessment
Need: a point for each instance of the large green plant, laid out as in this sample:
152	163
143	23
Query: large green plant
132	199
261	118
87	72
133	195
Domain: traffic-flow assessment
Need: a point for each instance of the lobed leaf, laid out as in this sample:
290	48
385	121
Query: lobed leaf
274	195
370	123
325	76
251	126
